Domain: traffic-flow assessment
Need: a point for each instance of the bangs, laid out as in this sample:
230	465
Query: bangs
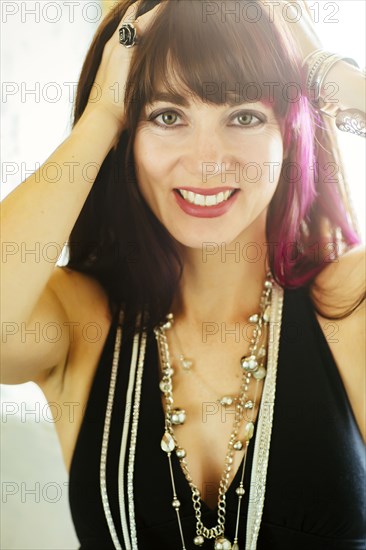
218	53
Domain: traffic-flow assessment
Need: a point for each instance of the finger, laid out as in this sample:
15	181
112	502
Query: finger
130	17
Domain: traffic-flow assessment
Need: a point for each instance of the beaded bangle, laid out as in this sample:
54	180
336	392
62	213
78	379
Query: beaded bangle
313	68
318	65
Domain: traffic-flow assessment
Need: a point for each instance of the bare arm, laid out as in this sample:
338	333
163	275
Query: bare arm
39	212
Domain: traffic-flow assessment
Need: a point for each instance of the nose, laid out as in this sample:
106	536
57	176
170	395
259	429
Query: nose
207	153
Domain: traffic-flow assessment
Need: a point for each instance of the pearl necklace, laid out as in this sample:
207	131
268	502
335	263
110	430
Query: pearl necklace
252	366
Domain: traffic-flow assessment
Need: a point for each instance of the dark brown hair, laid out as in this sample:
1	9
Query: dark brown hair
118	240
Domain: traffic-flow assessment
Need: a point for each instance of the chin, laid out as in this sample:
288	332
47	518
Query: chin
196	239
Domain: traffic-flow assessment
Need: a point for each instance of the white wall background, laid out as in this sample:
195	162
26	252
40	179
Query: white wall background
43	46
43	51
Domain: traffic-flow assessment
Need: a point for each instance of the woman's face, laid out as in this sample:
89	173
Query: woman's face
203	151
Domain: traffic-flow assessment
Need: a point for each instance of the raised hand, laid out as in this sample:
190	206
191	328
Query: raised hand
113	70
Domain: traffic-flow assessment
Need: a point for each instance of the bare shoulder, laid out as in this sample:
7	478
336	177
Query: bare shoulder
341	282
89	319
81	295
88	314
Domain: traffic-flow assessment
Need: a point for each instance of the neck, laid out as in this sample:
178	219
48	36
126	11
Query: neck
222	282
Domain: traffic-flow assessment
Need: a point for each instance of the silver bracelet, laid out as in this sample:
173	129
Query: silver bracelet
318	64
321	76
352	121
312	63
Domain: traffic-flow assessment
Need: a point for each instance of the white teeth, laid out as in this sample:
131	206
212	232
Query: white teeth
205	200
210	200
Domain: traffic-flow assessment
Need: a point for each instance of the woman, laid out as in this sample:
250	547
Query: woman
220	401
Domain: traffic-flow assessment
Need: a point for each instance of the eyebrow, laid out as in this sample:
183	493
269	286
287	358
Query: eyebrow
232	99
170	97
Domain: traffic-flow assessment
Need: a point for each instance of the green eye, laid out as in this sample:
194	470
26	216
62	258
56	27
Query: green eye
167	117
167	120
248	119
245	118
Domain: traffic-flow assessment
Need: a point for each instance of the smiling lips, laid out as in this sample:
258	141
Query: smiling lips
205	203
206	197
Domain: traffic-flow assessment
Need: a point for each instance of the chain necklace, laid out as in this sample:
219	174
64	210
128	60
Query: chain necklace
186	364
252	366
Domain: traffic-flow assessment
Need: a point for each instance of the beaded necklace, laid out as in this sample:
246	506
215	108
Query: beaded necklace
130	425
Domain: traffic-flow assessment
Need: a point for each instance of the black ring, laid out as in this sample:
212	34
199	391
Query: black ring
127	35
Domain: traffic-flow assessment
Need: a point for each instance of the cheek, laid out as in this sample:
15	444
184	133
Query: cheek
275	160
151	167
150	163
263	159
144	164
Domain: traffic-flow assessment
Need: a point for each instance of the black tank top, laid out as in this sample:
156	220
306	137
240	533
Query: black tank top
315	492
